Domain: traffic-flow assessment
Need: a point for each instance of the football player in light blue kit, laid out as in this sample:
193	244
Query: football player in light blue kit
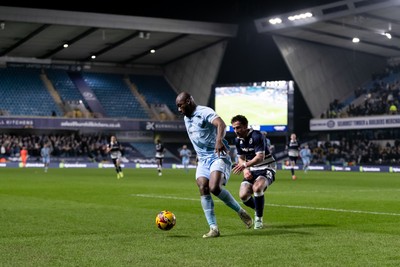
185	154
206	131
306	156
45	154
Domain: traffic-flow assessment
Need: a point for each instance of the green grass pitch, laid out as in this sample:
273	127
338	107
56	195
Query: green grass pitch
87	217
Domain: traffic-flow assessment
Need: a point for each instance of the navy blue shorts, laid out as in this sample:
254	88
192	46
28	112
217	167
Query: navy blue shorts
270	175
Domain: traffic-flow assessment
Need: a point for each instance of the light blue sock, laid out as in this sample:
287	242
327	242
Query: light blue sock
229	200
207	204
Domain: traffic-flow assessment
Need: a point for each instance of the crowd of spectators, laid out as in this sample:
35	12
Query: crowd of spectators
89	146
382	98
356	151
360	152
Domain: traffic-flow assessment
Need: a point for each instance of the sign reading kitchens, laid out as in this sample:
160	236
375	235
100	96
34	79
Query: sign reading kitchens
92	124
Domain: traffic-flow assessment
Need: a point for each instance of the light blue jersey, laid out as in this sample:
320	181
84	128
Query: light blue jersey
210	165
306	156
45	153
185	154
202	133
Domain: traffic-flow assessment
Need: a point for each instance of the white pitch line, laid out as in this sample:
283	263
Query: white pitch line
278	205
330	191
336	210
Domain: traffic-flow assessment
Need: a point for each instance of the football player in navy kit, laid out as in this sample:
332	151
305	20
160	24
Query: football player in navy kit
257	164
293	152
160	150
115	150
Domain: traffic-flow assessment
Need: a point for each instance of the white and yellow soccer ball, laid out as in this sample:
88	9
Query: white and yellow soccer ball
165	220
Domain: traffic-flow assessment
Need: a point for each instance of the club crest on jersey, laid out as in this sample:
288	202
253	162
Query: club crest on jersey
251	141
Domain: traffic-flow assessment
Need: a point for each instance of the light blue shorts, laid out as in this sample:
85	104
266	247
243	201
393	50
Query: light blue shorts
206	166
185	161
46	160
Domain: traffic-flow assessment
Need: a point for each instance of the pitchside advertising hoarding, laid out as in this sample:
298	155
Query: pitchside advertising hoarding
335	168
137	165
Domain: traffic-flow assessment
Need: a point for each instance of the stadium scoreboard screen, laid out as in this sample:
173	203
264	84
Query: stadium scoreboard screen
267	105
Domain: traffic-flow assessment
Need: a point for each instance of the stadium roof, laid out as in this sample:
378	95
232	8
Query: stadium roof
39	35
336	24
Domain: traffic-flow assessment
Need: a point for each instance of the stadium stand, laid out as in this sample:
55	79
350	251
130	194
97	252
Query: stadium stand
22	92
375	97
115	95
21	85
73	102
155	90
64	85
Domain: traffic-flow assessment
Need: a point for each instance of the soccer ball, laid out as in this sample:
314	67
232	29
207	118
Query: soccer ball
165	220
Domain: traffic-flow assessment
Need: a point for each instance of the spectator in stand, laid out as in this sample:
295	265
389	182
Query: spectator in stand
393	109
3	151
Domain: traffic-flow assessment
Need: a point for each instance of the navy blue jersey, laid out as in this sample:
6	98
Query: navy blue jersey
253	144
160	148
115	146
293	148
115	150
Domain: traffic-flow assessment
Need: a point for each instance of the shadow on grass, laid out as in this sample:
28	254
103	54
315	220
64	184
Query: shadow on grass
301	225
180	236
269	230
298	229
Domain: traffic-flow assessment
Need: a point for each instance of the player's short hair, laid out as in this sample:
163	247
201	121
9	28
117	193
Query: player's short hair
240	118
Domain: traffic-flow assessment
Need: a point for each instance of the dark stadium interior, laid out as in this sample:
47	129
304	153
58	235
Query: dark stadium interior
126	84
